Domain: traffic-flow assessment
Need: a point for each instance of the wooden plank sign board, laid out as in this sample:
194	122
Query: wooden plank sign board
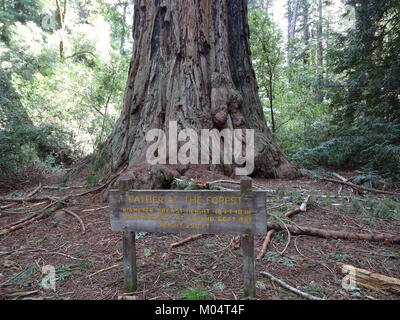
194	212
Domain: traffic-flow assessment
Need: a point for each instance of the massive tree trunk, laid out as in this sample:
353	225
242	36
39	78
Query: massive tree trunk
191	64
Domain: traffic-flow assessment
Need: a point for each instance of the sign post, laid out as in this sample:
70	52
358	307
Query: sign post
248	248
128	248
196	212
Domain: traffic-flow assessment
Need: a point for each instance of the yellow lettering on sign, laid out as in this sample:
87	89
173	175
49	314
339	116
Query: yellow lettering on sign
193	200
228	201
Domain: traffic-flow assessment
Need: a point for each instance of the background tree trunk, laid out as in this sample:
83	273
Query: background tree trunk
122	44
306	34
191	60
292	30
320	94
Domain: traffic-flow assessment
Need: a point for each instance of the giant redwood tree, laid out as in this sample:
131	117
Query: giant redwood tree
191	64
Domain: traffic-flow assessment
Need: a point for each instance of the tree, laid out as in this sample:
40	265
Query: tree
306	32
267	57
191	63
292	16
364	94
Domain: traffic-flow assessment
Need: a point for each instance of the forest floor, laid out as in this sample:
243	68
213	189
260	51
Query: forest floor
89	265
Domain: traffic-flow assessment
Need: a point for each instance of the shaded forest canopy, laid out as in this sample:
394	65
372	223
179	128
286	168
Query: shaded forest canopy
329	83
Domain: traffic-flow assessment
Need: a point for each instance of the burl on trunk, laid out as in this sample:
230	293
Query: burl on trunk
191	64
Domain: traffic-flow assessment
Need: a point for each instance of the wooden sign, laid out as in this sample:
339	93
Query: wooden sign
199	211
193	212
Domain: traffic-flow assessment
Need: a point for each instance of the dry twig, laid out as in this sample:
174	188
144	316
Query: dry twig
290	288
270	233
179	243
77	217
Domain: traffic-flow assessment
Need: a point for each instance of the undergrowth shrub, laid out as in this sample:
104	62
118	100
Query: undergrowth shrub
28	152
373	146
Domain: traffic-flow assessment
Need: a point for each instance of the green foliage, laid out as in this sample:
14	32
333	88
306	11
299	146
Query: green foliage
288	92
55	110
280	191
267	57
24	278
364	92
344	113
273	256
196	293
318	290
91	181
376	209
27	150
370	144
179	184
65	271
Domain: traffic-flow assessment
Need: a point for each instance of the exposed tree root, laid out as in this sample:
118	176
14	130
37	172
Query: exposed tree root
329	234
270	233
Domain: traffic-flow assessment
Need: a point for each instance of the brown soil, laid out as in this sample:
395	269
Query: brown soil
309	264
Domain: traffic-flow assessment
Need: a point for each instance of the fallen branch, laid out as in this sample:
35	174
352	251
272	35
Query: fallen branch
340	177
333	234
63	199
370	279
115	176
288	233
7	206
28	196
30	199
21	225
34	191
95	209
355	186
60	254
77	217
105	269
290	288
33	218
179	243
19	294
270	233
57	188
255	186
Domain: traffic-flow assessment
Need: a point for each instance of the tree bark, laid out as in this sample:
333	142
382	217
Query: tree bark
292	30
61	13
122	45
320	94
306	35
191	64
320	30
